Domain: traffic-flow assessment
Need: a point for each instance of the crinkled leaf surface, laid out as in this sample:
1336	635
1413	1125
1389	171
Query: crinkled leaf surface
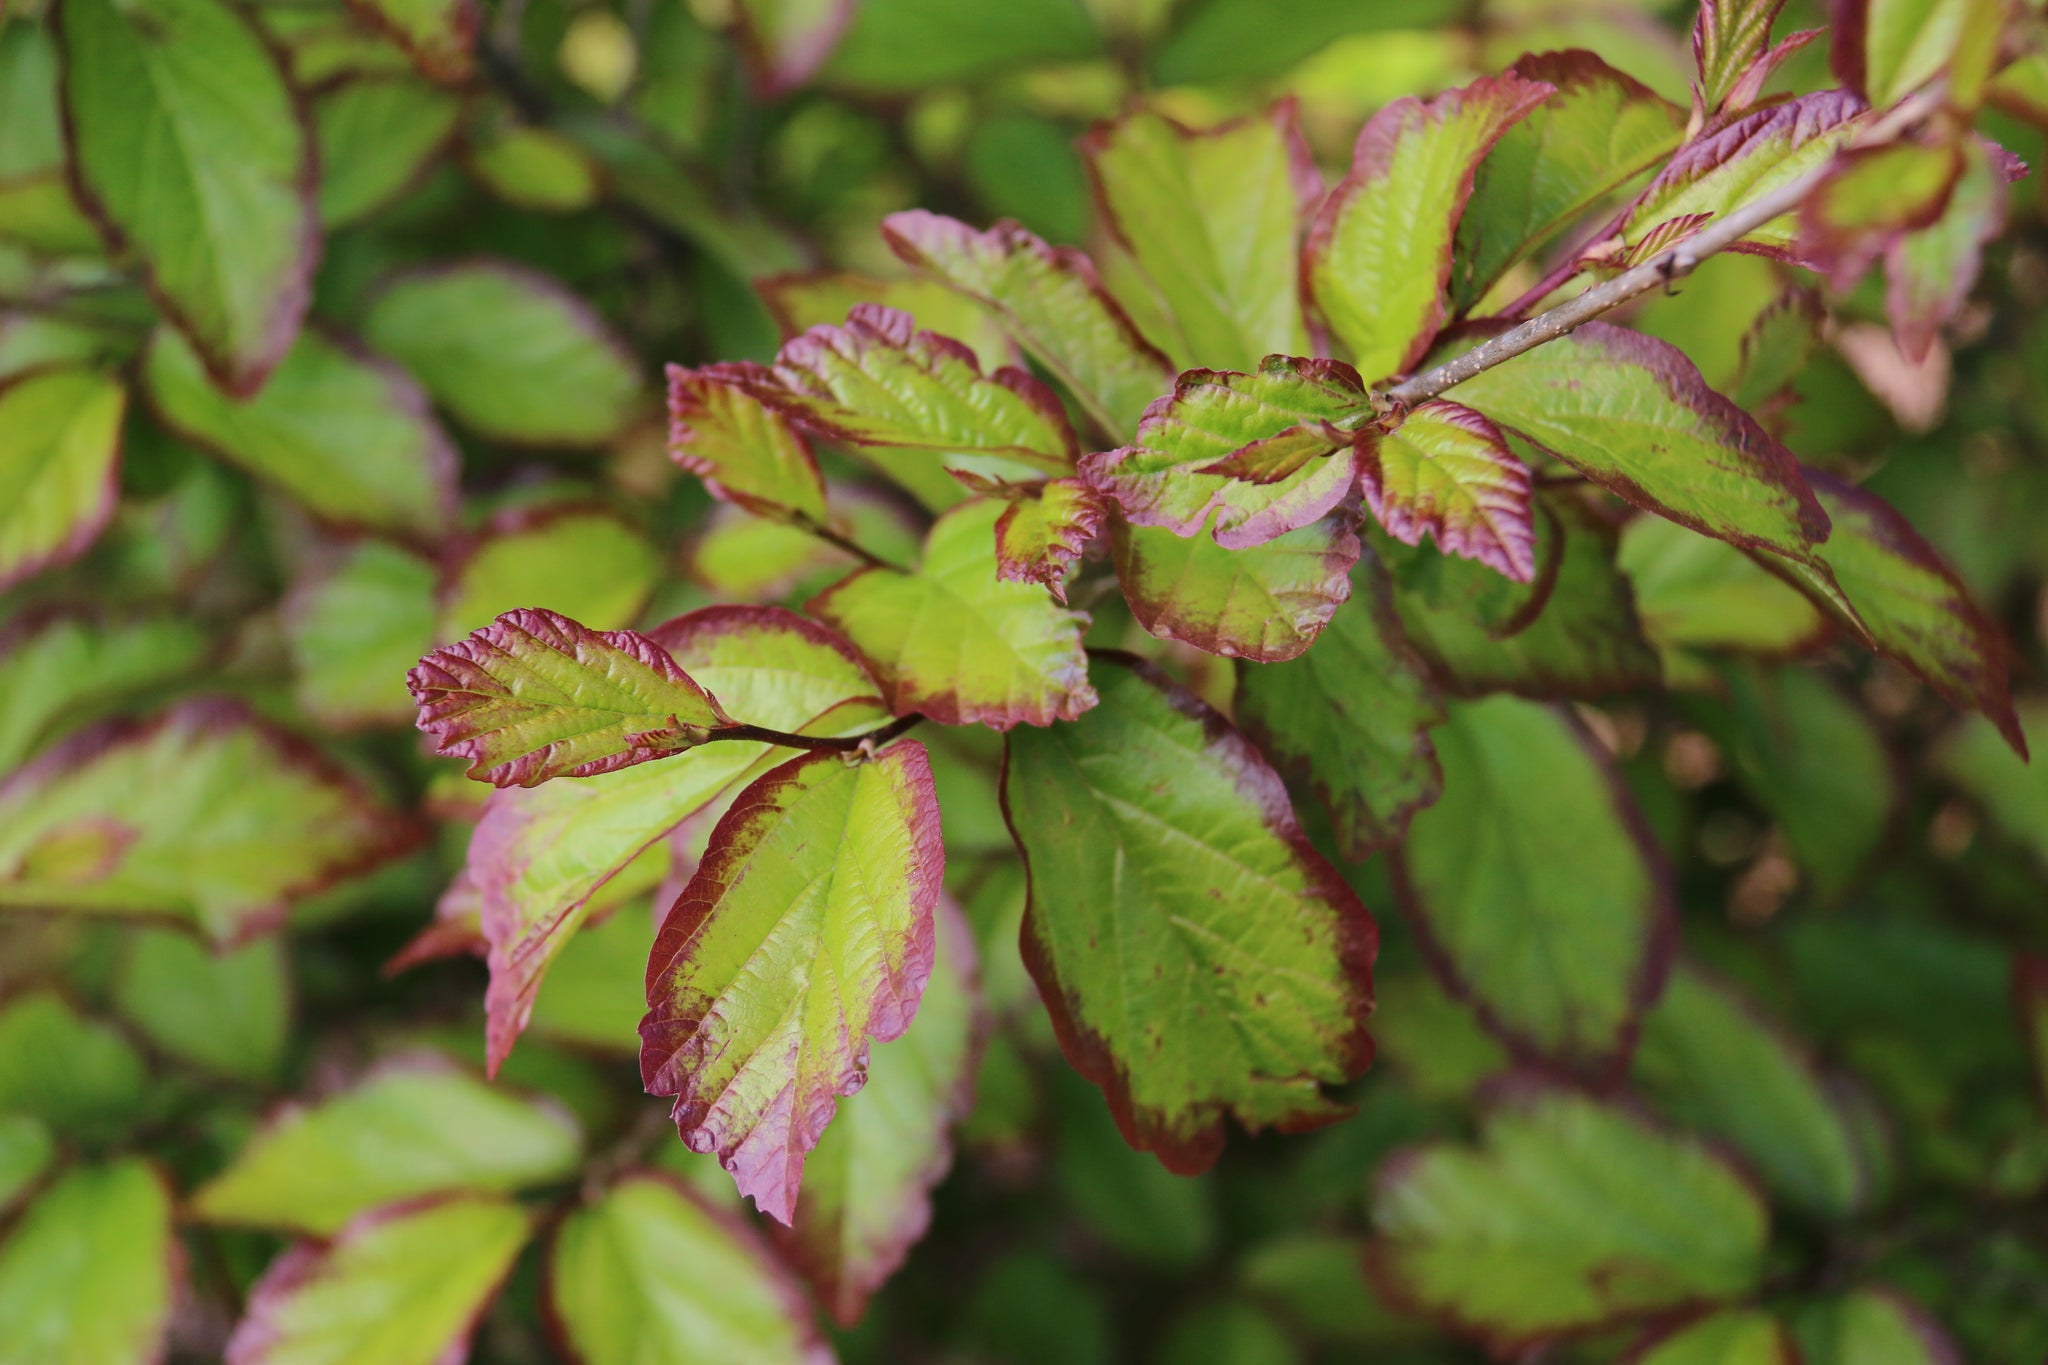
89	1273
1571	1213
806	932
1447	471
400	1286
1600	130
1266	603
1214	218
193	152
60	447
534	695
410	1128
59	671
1353	716
357	629
1038	537
650	1274
1379	254
1277	426
1873	1322
1733	1336
511	353
80	1076
1633	415
1535	885
1728	38
378	135
345	434
1053	304
868	1184
201	815
957	643
437	35
747	453
1199	959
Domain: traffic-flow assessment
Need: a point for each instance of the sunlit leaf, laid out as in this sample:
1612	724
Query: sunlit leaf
90	1272
1447	471
1038	537
747	453
578	559
60	448
1266	603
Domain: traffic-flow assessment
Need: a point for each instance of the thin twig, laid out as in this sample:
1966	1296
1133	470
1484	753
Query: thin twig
1657	272
843	744
838	541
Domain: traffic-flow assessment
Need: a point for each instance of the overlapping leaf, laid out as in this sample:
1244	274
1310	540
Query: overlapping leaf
747	452
378	135
1870	197
1265	604
1873	1322
1039	536
1535	886
577	558
438	35
91	1271
1447	471
357	629
1199	959
59	671
1883	49
1930	273
1733	1336
806	932
60	448
954	641
786	41
1728	38
1695	592
1378	257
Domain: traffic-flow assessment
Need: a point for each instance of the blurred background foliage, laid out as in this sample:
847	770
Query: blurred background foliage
1862	864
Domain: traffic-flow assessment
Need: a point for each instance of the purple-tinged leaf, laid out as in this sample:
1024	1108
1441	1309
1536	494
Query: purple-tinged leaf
955	642
1038	537
1213	220
1173	899
1264	604
1744	161
824	298
1729	39
60	456
1536	888
1750	88
438	36
1264	452
534	696
1447	471
1870	198
1634	415
748	453
1053	304
868	1183
92	1271
541	855
1352	718
1885	49
786	41
805	934
1929	273
1378	257
401	1285
878	381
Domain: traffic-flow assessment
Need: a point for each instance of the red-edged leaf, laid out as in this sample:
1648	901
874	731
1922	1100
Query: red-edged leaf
1871	196
1750	88
747	453
786	41
868	1183
879	381
1728	38
1264	452
955	642
60	461
1053	303
1729	1336
806	933
534	695
1929	274
1038	537
1379	255
1199	959
1448	471
1213	220
1265	603
438	35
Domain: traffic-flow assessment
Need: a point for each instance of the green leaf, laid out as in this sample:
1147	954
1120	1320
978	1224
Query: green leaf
536	168
806	932
956	643
511	353
60	448
27	1151
1733	1336
1932	272
1728	38
786	41
1378	257
1199	959
201	815
191	151
345	434
1714	1063
1264	452
1448	471
595	986
1632	414
437	35
572	558
1884	49
1776	349
401	1286
78	1075
378	137
912	45
538	855
1227	41
824	298
1874	1322
89	1274
1213	219
356	629
650	1274
410	1128
1599	131
228	1013
2009	789
747	452
1264	604
1696	593
1571	1214
1039	536
1353	718
534	695
868	1183
1535	885
37	210
1872	195
64	670
1053	304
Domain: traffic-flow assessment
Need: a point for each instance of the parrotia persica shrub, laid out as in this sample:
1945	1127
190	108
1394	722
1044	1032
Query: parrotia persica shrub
1417	650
